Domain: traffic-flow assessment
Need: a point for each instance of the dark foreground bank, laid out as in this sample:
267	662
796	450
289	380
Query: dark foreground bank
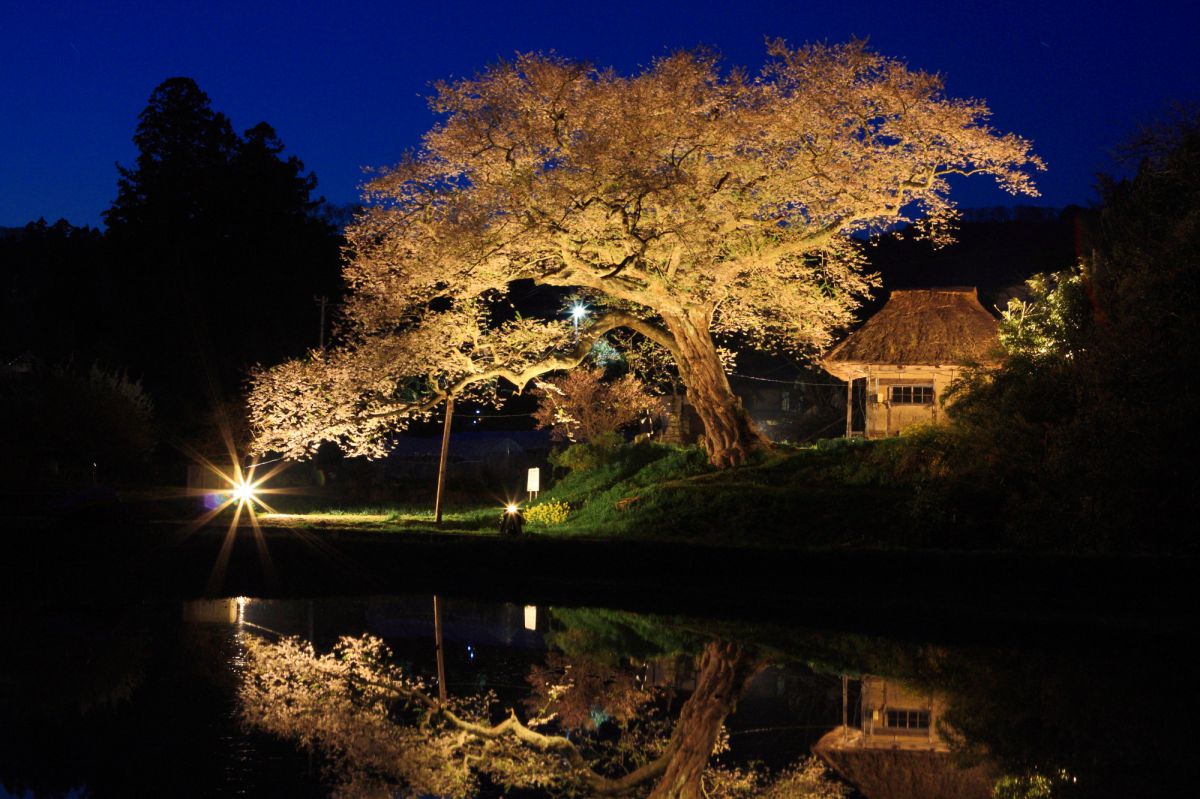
915	592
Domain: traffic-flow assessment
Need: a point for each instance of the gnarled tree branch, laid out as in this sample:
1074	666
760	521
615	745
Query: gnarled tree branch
521	377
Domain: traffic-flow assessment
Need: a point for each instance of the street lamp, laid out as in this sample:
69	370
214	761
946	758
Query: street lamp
243	492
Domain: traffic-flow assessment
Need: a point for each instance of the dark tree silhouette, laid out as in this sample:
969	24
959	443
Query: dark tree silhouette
220	249
1086	430
184	150
57	293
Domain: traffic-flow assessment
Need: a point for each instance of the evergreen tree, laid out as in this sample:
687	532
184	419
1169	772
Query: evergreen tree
220	250
57	294
182	167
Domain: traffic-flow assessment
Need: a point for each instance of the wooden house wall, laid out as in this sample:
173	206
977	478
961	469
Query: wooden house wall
885	418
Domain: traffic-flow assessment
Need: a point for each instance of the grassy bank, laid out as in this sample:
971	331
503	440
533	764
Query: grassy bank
838	494
813	497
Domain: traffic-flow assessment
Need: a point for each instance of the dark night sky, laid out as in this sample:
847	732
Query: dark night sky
343	82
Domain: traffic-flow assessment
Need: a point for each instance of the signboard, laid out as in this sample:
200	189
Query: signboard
534	481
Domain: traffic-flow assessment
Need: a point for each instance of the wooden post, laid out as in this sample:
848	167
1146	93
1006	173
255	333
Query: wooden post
441	483
437	641
888	424
929	729
850	407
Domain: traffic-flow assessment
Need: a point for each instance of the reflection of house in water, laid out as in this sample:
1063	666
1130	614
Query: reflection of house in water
780	714
678	672
901	360
898	717
892	748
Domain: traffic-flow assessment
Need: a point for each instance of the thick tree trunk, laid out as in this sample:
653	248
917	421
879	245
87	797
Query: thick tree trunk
725	670
729	434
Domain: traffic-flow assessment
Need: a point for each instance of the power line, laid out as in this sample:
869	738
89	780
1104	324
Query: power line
494	415
785	382
789	727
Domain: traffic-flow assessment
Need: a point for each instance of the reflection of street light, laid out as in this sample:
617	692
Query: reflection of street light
578	312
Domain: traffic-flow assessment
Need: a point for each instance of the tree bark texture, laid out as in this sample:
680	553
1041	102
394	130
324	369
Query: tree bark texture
729	434
725	671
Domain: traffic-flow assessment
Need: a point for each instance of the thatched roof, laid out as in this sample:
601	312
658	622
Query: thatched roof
928	327
902	773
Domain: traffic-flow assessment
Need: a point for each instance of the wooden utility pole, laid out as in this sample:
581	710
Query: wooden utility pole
441	485
441	656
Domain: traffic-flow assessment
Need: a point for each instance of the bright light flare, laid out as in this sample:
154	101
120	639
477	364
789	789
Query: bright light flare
511	508
243	492
578	312
239	489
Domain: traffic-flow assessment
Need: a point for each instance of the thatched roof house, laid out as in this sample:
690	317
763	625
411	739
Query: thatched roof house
897	749
931	327
898	363
884	773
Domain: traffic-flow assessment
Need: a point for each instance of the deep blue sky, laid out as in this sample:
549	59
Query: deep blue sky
343	82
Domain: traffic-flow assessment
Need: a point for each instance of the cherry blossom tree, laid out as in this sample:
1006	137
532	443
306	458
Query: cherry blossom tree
581	405
686	201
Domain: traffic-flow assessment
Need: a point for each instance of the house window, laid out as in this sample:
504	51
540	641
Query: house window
912	395
907	719
785	402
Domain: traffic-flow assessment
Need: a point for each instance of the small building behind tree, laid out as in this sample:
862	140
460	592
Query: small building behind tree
898	364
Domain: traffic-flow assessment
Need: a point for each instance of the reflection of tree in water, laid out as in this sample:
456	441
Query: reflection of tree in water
589	728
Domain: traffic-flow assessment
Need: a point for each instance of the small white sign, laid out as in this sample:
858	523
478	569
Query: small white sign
534	481
531	617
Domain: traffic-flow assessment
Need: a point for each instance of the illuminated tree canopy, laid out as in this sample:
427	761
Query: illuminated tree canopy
684	202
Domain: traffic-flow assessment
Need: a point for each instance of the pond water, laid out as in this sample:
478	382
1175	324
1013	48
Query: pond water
243	696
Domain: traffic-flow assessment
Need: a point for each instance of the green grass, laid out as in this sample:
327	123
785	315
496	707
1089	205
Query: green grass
385	518
789	498
833	495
